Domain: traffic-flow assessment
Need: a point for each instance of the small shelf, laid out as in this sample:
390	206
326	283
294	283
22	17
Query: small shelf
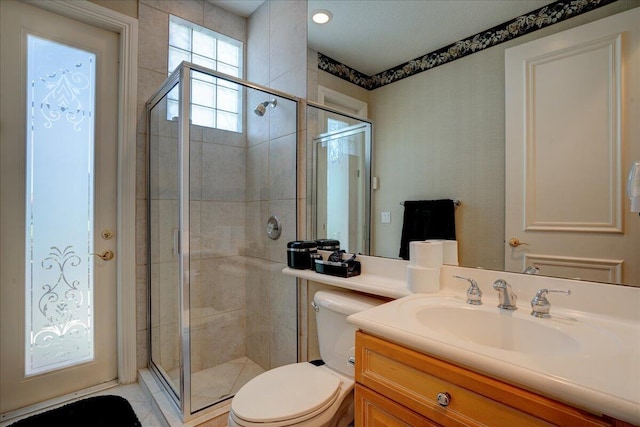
369	283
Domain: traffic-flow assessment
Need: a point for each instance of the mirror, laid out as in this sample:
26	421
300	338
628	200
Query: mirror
441	134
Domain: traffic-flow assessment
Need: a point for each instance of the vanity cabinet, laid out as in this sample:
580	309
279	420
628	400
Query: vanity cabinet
396	386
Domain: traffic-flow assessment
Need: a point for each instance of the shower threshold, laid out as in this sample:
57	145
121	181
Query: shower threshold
220	382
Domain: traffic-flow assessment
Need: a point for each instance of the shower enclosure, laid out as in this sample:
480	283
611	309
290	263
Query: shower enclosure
221	166
341	177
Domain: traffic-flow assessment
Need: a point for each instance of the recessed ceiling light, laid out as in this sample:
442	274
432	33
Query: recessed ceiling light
321	16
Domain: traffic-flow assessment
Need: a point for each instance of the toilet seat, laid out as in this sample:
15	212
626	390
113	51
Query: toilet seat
290	393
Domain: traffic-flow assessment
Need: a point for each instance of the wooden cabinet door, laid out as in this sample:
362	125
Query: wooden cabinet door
414	380
374	410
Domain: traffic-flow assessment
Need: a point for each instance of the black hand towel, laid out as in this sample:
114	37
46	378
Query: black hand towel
427	219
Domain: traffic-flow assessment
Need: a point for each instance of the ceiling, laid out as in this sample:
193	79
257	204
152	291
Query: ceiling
374	35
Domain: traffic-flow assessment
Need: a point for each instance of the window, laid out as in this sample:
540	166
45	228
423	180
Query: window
215	103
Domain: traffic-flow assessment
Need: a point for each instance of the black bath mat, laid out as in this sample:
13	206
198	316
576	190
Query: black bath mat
99	411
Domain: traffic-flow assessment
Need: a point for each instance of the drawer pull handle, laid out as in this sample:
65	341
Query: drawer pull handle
444	399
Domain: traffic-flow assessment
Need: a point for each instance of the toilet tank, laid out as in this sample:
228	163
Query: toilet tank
336	336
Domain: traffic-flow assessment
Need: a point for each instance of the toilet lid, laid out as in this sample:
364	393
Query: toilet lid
286	393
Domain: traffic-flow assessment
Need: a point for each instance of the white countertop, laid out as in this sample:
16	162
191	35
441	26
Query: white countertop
602	378
367	283
605	380
380	276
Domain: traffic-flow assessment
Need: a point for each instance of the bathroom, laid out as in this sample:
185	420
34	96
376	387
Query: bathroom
284	62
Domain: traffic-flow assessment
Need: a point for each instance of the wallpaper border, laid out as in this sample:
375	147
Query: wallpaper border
524	24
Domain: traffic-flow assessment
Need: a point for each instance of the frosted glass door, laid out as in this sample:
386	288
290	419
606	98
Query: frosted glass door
59	82
59	205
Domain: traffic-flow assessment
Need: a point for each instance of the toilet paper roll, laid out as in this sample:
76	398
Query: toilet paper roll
422	279
427	254
450	251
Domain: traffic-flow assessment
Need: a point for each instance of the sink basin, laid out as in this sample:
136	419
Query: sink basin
497	329
428	321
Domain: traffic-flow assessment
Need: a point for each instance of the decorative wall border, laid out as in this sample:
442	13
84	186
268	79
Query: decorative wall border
524	24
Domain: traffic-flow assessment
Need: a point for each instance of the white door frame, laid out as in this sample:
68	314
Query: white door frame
127	28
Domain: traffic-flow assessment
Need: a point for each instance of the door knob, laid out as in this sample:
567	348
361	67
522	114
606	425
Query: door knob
514	243
106	255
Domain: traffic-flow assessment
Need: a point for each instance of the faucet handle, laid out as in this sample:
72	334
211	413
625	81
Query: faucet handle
474	294
540	305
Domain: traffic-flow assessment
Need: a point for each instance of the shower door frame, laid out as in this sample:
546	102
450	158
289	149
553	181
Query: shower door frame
368	160
181	77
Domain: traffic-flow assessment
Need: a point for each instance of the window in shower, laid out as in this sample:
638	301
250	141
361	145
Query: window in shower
216	103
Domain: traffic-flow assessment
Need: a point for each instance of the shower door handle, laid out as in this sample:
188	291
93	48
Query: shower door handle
176	241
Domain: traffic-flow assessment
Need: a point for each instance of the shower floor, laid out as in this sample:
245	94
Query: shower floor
219	382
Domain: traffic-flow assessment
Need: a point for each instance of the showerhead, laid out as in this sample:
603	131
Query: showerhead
262	107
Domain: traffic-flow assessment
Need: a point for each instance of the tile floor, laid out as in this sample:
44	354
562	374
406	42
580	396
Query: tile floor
140	401
155	409
135	394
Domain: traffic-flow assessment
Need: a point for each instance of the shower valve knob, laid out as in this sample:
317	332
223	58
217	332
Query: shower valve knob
274	228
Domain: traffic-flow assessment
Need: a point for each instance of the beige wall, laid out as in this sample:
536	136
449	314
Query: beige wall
332	82
440	134
126	7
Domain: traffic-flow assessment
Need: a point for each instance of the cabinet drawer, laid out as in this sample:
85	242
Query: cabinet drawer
414	380
373	410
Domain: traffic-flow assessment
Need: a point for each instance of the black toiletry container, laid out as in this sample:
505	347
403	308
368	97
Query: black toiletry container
328	245
298	254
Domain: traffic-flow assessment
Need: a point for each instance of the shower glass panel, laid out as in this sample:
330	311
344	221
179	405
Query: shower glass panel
231	313
341	177
164	271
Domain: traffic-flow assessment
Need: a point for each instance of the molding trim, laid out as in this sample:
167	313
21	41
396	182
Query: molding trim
611	268
608	51
127	28
525	24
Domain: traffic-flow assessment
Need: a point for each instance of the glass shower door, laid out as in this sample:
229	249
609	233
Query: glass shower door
221	311
164	267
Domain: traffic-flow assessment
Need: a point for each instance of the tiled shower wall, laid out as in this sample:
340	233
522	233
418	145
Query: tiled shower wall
276	58
246	268
217	239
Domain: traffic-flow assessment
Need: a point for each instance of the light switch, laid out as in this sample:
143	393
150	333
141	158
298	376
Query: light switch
386	217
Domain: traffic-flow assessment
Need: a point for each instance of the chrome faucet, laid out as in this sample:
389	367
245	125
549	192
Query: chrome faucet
505	294
532	269
474	294
540	305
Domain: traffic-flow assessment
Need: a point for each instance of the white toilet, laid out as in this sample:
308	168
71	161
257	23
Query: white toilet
309	394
